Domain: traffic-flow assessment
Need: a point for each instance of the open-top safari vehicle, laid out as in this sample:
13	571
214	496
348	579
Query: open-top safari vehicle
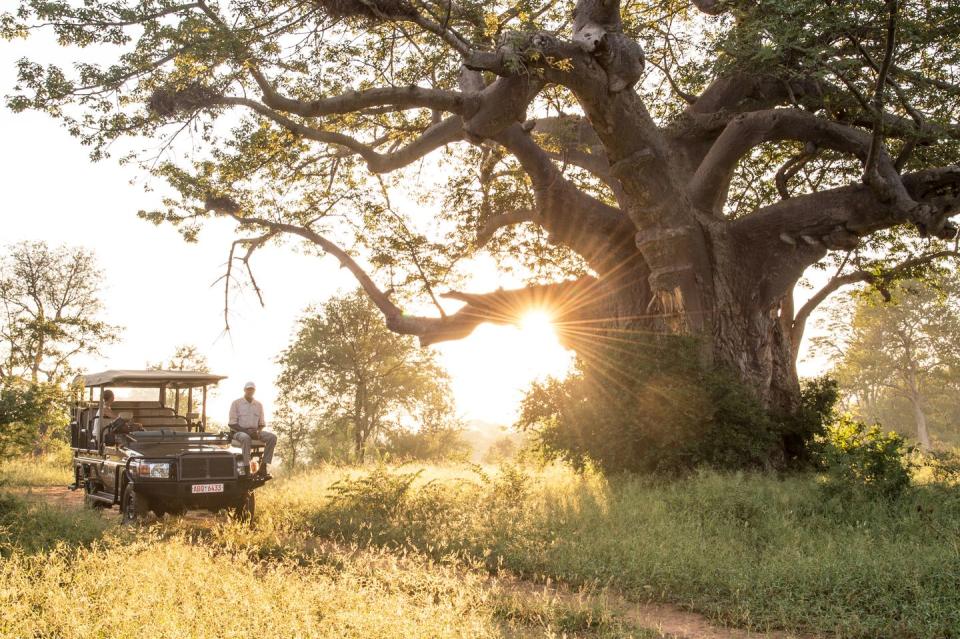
156	456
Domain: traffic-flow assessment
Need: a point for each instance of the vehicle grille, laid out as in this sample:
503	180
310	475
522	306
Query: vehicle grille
220	467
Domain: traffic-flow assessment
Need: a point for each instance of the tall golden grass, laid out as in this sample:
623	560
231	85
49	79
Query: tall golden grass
420	551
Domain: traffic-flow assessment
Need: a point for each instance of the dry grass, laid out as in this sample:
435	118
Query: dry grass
413	551
30	471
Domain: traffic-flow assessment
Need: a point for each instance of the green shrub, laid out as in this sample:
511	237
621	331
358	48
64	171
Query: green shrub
652	407
862	459
944	465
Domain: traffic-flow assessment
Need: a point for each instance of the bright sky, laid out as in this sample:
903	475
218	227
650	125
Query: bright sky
159	288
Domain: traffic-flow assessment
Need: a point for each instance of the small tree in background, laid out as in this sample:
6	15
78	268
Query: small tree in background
29	414
364	380
895	352
49	314
50	301
294	429
186	357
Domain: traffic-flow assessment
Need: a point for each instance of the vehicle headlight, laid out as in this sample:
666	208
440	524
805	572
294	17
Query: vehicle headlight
153	470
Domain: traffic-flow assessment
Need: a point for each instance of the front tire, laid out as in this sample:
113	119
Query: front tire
133	507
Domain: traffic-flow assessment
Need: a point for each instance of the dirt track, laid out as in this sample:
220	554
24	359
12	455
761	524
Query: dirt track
670	621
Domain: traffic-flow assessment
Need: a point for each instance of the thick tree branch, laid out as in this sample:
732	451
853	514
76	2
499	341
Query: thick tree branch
601	234
809	225
400	98
435	137
565	299
496	223
708	187
798	325
572	134
712	7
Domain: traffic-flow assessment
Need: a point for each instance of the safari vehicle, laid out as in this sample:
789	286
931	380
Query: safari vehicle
157	457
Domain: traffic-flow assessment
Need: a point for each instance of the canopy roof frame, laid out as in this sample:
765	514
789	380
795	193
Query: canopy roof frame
149	379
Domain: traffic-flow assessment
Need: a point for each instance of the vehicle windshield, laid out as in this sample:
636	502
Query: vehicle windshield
136	394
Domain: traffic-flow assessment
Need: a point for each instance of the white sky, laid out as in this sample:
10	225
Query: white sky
159	288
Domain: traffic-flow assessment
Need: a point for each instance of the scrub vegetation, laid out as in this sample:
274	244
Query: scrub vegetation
458	551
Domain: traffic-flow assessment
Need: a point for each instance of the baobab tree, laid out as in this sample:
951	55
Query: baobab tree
677	168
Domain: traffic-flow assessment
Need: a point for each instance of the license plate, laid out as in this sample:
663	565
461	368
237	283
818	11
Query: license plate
207	488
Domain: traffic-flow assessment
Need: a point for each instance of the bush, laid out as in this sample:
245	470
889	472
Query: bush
863	460
427	444
944	465
652	407
32	416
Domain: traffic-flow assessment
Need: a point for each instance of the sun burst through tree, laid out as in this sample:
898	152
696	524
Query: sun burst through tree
664	169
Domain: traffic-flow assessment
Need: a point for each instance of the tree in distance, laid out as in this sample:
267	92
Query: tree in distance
51	308
186	357
658	170
895	357
360	380
51	314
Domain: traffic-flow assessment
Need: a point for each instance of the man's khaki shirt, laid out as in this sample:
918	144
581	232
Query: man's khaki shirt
246	415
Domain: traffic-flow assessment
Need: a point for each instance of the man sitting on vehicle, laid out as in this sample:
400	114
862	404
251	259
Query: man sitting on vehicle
247	423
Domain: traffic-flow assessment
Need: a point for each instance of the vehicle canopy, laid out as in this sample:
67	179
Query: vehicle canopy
162	410
150	379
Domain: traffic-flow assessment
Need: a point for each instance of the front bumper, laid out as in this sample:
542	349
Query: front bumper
180	492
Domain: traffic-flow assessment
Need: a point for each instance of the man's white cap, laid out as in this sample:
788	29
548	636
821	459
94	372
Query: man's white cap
249	385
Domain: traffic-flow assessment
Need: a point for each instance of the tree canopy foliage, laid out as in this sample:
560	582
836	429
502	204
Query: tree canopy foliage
51	314
360	383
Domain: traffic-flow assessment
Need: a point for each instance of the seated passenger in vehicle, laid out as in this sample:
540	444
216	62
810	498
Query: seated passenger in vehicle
105	415
110	422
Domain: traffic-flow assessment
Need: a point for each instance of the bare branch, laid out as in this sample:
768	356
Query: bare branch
494	224
839	281
568	298
791	167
